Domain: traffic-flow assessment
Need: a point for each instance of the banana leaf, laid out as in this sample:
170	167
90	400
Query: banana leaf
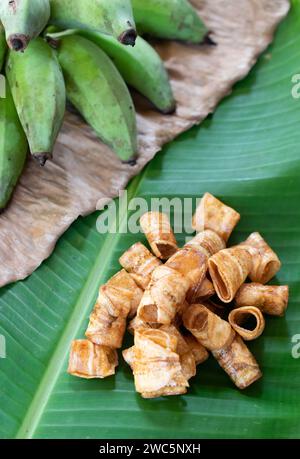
248	155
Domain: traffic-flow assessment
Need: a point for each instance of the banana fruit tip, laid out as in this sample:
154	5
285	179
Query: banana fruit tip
18	42
128	37
42	158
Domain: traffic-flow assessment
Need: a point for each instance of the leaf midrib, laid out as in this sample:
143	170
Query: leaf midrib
36	408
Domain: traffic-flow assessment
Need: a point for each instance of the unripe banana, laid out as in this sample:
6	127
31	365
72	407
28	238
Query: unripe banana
113	17
97	90
170	19
13	148
23	20
2	46
141	67
38	90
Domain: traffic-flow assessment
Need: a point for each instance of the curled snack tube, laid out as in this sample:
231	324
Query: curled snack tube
214	215
118	298
159	233
270	299
164	296
208	242
139	263
239	363
228	270
199	352
239	317
265	262
209	329
192	264
88	360
155	364
186	356
205	291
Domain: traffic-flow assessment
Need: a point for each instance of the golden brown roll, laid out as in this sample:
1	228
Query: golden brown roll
192	264
229	269
164	296
139	263
209	329
270	299
239	363
186	356
88	360
265	262
214	215
199	352
118	298
158	231
155	364
208	242
238	320
229	350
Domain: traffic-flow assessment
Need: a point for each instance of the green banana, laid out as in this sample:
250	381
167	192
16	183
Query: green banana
2	46
13	148
23	20
97	90
141	68
170	19
113	17
38	90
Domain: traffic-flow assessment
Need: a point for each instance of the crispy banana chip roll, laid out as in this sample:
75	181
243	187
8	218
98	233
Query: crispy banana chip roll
186	356
199	352
265	262
227	347
159	233
155	364
88	360
208	242
192	264
229	269
214	215
270	299
139	263
117	299
136	323
164	296
239	363
209	329
247	321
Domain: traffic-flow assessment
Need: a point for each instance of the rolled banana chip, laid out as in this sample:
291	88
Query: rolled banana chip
139	262
265	262
270	299
208	242
209	329
88	360
229	269
239	363
156	364
239	317
159	233
214	215
117	299
227	347
164	296
192	264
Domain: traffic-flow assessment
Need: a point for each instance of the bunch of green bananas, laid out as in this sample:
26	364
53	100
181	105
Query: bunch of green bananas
51	50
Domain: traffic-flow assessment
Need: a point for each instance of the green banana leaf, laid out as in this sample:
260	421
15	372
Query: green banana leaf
248	154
